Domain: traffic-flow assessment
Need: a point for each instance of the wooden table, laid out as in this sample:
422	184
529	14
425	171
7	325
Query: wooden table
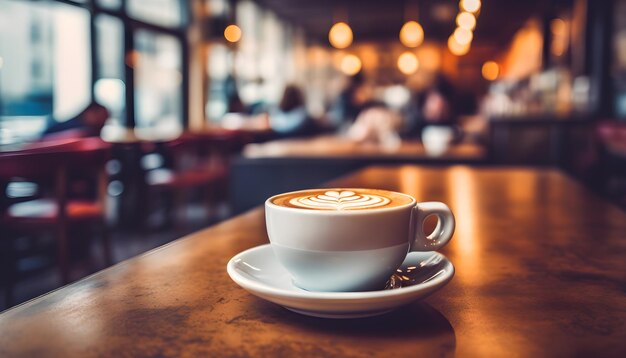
292	164
540	272
334	147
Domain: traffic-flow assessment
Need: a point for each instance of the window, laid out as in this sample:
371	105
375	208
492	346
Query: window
72	62
109	87
158	81
45	73
46	59
160	12
219	58
110	4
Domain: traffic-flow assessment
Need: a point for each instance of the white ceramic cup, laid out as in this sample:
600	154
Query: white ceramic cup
352	250
437	139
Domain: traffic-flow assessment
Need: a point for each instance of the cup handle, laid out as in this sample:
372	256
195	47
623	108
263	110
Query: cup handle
443	231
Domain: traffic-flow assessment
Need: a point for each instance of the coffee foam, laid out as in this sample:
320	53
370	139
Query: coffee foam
341	199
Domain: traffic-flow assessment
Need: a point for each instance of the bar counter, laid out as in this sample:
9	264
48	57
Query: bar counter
539	272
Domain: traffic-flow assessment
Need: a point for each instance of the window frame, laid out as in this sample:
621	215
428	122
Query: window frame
130	27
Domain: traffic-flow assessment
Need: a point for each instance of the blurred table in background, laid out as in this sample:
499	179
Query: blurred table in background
291	164
336	147
539	273
135	152
139	152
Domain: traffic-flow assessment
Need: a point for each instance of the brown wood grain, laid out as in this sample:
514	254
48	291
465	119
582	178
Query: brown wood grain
540	262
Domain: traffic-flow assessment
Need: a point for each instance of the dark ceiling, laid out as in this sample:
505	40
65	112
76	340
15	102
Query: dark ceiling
374	20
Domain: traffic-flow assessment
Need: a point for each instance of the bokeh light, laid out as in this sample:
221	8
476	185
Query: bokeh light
429	57
558	46
411	34
340	35
232	33
408	63
490	70
466	20
132	58
470	5
350	65
463	36
558	27
457	48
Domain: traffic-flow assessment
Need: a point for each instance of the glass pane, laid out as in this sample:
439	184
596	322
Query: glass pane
217	7
45	68
72	61
160	12
220	84
248	58
109	87
158	81
110	4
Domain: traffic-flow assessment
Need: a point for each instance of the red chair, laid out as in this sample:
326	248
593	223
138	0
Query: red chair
53	165
198	161
217	148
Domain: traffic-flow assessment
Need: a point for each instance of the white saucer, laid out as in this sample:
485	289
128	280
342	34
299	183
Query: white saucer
258	271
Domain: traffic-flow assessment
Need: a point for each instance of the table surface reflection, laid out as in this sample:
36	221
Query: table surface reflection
540	272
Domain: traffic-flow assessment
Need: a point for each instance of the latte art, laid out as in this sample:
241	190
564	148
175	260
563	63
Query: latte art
340	200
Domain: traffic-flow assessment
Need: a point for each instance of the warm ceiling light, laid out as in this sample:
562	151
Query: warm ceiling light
411	34
408	63
132	58
350	65
369	57
463	36
470	5
340	35
466	20
232	33
558	27
429	57
457	48
490	70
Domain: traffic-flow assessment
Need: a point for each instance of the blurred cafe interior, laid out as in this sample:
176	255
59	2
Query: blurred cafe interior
127	124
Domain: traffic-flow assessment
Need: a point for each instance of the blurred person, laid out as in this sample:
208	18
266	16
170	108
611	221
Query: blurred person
433	106
291	118
351	101
88	123
237	114
378	125
235	105
258	106
231	93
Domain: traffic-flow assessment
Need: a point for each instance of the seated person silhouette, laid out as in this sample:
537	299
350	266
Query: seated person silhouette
290	118
88	123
